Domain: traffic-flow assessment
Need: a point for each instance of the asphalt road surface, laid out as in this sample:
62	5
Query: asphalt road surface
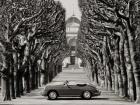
35	98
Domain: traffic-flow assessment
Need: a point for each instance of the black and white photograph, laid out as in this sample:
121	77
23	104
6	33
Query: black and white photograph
69	52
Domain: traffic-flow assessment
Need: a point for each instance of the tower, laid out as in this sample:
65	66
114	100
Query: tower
72	28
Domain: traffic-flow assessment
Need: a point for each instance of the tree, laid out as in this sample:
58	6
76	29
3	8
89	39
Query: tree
28	28
117	21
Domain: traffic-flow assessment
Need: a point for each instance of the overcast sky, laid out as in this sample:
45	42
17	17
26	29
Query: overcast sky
71	5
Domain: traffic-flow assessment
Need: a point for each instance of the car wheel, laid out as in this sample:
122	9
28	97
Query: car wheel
52	95
86	95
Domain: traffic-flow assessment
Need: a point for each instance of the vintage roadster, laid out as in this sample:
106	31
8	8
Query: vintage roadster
70	89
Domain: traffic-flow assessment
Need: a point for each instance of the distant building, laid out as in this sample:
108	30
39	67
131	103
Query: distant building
72	28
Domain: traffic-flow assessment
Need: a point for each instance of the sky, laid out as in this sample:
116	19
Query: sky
70	6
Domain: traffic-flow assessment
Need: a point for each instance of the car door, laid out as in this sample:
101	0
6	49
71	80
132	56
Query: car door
64	90
74	90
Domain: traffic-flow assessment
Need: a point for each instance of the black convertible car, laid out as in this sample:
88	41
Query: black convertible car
70	89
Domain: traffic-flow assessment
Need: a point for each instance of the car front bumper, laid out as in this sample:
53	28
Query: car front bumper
97	93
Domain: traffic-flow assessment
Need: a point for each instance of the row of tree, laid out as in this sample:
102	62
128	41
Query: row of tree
109	39
32	44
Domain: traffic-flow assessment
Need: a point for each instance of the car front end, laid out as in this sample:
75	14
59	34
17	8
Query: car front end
95	91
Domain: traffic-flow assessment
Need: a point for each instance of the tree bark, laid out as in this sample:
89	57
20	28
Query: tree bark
96	74
6	89
118	77
122	67
18	84
129	69
27	80
109	78
46	73
33	76
13	91
116	85
105	63
136	67
15	69
37	79
21	84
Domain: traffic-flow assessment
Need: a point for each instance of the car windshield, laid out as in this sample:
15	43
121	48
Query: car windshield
55	83
72	83
75	83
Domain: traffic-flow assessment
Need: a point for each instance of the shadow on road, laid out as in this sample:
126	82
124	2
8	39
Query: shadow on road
81	98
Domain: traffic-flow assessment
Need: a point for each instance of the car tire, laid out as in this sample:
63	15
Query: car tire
86	94
52	95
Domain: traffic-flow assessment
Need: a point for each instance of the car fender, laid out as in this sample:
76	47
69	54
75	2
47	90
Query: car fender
52	90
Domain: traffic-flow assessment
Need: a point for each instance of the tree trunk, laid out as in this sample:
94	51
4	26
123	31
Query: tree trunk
136	66
39	78
123	68
25	66
106	80
96	74
105	63
110	63
116	85
53	70
5	80
15	68
120	81
45	77
93	75
118	77
5	89
18	84
27	81
109	78
33	76
13	82
129	69
55	73
50	74
46	73
21	84
59	68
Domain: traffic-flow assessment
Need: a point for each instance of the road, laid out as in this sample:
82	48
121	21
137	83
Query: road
35	98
